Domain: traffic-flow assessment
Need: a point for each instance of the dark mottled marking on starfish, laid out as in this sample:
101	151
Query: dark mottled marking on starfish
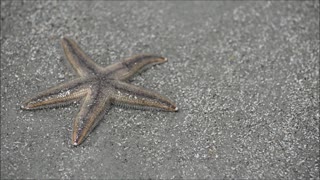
98	88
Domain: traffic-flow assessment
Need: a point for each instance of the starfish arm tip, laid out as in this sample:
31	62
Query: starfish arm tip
25	106
62	40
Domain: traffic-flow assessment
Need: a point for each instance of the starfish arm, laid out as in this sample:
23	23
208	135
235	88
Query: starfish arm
133	96
79	61
93	107
126	69
57	96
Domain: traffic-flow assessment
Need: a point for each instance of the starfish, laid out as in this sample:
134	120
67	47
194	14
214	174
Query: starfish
98	88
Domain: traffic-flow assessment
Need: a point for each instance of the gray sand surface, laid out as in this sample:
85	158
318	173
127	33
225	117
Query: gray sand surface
245	76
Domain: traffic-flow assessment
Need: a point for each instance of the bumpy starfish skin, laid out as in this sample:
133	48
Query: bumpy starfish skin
98	88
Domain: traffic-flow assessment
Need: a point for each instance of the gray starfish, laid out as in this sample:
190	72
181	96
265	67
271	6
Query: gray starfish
99	88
